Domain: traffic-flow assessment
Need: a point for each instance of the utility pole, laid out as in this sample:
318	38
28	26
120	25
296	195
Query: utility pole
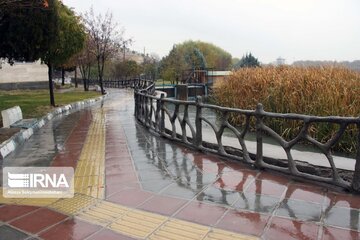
125	44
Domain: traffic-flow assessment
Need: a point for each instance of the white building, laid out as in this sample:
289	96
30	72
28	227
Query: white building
23	75
280	61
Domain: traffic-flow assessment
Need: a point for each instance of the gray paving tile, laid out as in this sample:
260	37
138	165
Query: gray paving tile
9	233
343	217
257	203
300	210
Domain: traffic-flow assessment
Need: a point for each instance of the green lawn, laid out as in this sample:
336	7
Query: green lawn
36	103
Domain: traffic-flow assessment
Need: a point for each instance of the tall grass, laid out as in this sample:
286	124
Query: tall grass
320	91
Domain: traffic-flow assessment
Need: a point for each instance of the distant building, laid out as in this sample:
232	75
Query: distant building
207	76
23	75
214	76
280	61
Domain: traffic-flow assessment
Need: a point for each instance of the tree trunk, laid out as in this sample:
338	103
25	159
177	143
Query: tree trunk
62	76
51	85
76	83
88	77
84	82
101	85
83	74
101	71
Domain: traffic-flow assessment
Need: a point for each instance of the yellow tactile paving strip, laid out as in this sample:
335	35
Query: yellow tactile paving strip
138	224
71	206
89	173
176	229
145	225
88	203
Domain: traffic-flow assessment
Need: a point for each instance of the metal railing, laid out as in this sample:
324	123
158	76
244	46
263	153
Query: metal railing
136	83
153	112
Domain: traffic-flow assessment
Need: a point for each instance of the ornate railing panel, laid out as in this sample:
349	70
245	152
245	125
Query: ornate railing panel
137	83
154	113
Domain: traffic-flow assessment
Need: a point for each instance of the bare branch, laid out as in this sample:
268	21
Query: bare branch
106	37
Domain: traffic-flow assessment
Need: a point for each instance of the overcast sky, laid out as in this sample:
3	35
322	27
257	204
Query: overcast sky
292	29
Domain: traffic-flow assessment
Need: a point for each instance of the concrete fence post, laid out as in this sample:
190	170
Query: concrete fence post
198	123
162	114
259	138
356	178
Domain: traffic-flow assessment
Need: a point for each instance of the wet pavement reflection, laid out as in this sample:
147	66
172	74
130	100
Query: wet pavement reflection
273	205
147	172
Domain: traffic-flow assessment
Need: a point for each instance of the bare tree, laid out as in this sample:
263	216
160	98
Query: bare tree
85	59
125	44
106	37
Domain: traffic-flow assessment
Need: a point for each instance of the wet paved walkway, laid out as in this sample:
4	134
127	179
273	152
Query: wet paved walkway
130	184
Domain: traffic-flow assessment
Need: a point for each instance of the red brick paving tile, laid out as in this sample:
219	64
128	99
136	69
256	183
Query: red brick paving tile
118	170
236	181
244	222
343	200
110	165
10	212
208	166
70	229
38	220
117	152
76	139
274	177
163	205
330	233
68	159
114	136
130	197
266	187
116	144
118	178
109	235
202	213
305	192
79	135
110	189
72	147
202	159
64	163
118	159
282	228
236	166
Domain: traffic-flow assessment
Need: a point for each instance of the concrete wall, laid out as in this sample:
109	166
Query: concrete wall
23	72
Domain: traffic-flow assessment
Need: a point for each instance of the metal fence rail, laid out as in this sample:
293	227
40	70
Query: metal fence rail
153	112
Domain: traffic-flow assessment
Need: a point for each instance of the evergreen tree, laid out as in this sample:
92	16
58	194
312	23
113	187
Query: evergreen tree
247	61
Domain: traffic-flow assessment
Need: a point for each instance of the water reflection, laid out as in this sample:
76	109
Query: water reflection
207	177
210	179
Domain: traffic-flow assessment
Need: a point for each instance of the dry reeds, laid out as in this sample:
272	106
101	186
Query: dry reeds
320	91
